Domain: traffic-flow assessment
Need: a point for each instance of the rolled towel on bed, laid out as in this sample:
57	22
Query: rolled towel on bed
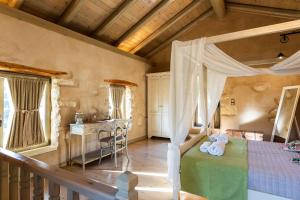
214	137
219	137
216	148
223	137
204	147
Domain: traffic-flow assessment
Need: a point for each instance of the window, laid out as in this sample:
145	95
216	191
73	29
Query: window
7	112
44	111
216	121
197	118
127	103
120	100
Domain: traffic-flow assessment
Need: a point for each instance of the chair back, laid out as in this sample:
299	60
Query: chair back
121	127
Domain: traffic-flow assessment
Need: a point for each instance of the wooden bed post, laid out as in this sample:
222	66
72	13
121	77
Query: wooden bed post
205	98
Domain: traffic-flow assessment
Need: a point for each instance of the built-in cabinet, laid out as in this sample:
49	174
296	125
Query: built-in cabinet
158	104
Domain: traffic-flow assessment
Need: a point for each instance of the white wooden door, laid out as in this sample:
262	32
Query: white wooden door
165	131
154	115
164	105
153	97
164	93
154	125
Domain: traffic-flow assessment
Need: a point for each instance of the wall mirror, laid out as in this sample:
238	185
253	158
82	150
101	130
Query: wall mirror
286	126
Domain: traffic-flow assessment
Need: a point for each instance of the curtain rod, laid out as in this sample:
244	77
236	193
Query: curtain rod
6	74
264	30
120	82
17	68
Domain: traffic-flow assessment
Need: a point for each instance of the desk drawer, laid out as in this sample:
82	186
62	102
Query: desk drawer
77	129
80	129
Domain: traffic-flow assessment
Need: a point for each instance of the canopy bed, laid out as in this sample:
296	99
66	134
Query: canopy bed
199	69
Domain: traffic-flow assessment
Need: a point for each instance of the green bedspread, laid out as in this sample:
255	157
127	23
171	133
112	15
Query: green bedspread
216	177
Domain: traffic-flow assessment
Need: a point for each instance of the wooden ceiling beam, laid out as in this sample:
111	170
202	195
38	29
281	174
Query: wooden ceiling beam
70	11
219	7
113	17
266	11
13	3
149	16
254	32
182	31
167	25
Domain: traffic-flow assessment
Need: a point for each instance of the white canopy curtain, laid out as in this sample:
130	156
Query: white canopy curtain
189	78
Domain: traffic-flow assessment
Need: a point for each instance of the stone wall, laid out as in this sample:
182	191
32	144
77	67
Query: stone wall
38	44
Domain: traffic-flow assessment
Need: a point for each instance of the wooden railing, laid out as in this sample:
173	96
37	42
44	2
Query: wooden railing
17	171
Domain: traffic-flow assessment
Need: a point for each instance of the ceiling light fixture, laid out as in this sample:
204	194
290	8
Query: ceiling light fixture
280	56
284	36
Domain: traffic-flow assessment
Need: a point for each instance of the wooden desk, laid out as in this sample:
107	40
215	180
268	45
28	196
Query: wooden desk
86	129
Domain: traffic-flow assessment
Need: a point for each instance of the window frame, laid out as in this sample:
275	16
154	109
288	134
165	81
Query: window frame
127	112
212	123
55	120
48	109
47	130
127	101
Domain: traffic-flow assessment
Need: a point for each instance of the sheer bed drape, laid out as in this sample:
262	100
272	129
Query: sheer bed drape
201	69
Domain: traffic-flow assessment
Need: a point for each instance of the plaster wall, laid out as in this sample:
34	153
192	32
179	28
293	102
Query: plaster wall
252	110
27	43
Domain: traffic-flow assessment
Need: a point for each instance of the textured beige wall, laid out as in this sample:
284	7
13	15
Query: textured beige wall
28	44
254	108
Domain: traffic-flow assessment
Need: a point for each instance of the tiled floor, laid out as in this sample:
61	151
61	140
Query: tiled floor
148	159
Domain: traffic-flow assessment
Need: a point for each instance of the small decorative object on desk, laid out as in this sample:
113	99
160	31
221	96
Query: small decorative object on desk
79	118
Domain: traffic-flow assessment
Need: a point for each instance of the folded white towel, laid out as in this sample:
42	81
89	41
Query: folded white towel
214	137
204	147
223	137
216	148
219	137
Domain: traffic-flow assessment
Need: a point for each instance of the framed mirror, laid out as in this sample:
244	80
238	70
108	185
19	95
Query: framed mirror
286	117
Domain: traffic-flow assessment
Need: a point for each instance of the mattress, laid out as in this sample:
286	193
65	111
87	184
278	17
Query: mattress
216	177
270	170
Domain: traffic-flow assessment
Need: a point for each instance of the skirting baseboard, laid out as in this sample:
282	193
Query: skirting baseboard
63	164
137	139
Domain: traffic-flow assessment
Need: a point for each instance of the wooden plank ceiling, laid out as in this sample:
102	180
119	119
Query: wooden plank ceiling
143	27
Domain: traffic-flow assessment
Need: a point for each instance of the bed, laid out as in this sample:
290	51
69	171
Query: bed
248	170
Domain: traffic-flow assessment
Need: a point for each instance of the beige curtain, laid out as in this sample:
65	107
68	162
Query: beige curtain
26	128
117	95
